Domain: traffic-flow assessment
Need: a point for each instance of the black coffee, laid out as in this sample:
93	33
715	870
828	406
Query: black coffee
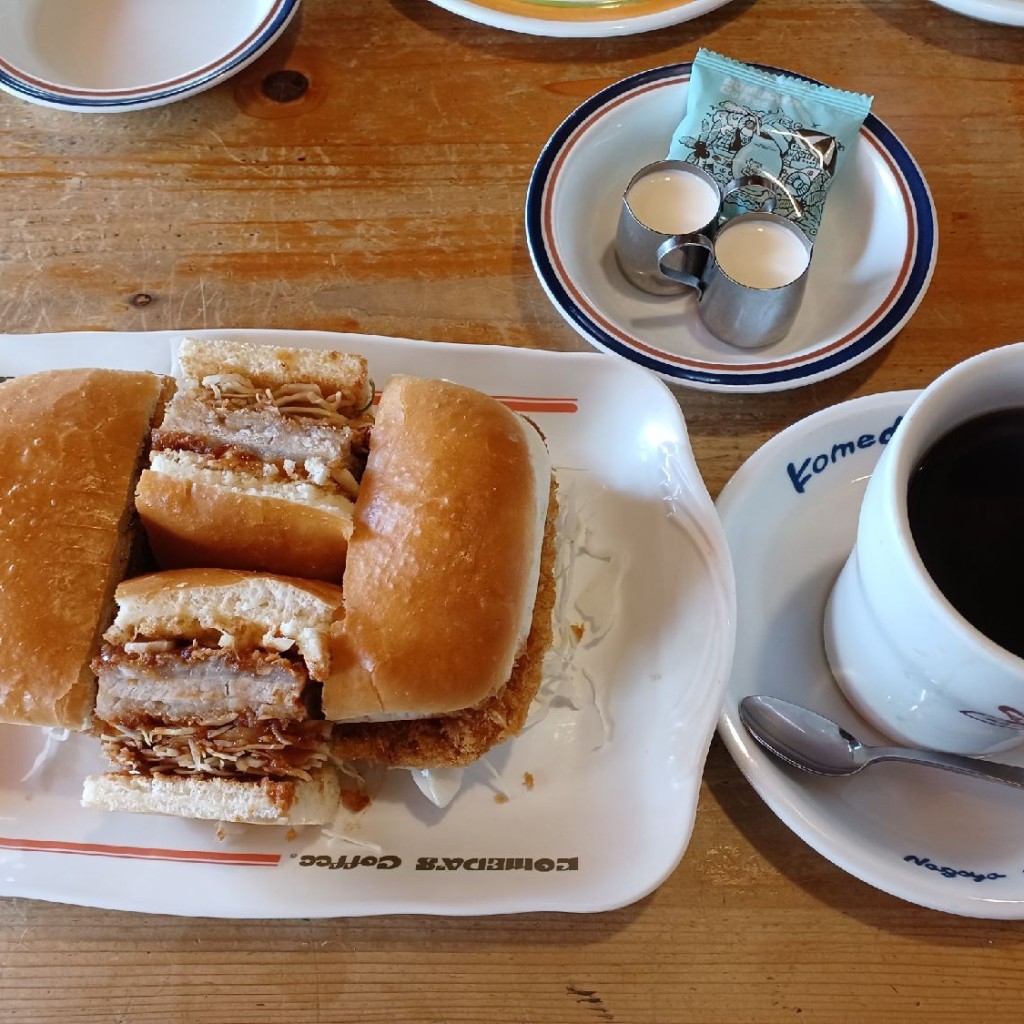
966	507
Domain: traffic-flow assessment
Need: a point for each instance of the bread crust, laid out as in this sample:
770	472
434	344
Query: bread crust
198	524
71	444
254	801
443	559
456	740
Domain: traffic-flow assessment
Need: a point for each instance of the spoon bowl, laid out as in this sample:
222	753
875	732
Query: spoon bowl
807	740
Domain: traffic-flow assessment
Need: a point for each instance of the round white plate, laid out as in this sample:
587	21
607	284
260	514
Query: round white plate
1002	12
872	264
939	840
116	55
580	18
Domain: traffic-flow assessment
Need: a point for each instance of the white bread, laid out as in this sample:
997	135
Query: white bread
263	802
445	554
190	468
71	445
251	609
267	366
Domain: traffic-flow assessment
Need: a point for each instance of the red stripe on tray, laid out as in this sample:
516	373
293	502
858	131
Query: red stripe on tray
520	404
141	852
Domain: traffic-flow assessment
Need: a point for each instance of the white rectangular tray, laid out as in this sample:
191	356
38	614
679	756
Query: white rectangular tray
589	809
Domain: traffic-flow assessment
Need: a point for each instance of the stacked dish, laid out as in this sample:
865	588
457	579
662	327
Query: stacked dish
118	55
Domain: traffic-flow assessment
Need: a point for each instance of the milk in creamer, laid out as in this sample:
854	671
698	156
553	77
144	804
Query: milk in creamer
760	254
673	201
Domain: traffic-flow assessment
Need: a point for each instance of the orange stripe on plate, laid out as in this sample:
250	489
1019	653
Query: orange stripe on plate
140	852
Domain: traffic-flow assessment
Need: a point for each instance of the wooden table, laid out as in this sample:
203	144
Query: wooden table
388	198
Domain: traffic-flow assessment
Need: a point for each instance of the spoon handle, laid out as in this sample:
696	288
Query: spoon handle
1010	774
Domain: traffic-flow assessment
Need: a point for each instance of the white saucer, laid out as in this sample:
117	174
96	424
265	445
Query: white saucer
1002	12
580	18
939	840
117	55
872	264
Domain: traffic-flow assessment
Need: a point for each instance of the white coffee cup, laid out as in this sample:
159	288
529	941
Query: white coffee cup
902	654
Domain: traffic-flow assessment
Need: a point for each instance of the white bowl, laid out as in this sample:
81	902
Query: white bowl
117	55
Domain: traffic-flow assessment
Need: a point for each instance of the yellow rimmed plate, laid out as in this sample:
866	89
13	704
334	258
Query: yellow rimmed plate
579	18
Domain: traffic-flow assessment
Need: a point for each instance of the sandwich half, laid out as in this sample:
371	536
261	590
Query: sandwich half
257	463
72	444
448	585
209	698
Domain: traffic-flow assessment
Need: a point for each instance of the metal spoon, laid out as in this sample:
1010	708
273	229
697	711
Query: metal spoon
810	741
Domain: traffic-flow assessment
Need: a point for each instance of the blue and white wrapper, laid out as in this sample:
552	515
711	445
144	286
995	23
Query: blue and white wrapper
741	120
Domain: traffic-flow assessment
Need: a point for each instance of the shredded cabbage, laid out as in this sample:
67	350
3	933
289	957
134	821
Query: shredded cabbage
51	744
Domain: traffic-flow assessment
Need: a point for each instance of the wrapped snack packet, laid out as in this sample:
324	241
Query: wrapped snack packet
741	120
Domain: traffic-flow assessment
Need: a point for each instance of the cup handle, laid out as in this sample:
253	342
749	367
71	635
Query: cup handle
684	258
759	180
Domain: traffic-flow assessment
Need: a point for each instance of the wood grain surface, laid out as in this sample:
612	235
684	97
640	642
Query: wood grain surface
388	199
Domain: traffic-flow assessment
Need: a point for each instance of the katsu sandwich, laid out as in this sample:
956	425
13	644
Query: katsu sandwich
449	583
209	698
256	464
